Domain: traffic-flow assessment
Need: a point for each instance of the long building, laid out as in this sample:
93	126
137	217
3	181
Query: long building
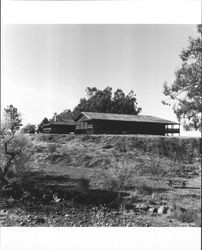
108	123
59	127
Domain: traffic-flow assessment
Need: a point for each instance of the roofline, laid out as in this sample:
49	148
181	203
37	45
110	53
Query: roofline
166	123
84	113
54	123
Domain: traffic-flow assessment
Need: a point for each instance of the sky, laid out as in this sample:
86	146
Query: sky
47	67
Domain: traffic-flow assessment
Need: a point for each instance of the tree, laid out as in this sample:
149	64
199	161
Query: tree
65	115
40	126
13	119
125	104
29	128
186	90
14	145
104	101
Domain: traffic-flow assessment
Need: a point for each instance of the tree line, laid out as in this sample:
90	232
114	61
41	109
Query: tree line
97	100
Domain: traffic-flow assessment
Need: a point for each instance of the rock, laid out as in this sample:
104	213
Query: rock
153	210
23	223
56	198
162	210
3	212
170	211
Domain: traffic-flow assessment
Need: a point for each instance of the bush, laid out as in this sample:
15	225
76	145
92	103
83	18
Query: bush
185	150
153	168
29	128
185	215
121	147
15	156
188	215
119	178
52	148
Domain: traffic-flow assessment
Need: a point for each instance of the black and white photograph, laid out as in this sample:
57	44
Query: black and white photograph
100	125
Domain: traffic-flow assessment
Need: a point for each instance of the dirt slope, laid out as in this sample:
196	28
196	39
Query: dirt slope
120	180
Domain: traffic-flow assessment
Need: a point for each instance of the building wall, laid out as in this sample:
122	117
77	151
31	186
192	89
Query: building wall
84	126
59	129
120	127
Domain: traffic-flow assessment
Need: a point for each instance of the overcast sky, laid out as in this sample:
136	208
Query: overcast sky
46	68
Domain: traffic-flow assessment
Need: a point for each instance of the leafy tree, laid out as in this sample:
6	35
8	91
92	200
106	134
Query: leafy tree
186	90
40	126
104	101
13	119
65	115
125	104
14	145
29	128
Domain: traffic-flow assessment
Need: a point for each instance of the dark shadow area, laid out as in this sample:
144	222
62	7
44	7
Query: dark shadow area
187	187
40	189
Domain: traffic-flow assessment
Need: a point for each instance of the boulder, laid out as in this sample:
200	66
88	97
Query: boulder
153	210
162	210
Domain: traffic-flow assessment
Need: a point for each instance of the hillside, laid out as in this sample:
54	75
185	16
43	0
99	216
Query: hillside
119	180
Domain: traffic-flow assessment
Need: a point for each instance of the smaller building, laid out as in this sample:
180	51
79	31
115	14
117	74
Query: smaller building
59	127
108	123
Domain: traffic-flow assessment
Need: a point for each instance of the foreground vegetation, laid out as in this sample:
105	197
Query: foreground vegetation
106	181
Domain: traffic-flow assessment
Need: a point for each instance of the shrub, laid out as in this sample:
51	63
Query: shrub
15	148
52	148
121	147
185	215
118	178
17	160
188	215
29	128
154	168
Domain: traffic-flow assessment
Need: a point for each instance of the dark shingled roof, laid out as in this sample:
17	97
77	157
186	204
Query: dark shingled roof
63	122
124	117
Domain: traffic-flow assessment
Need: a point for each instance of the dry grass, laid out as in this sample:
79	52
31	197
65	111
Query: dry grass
186	213
136	163
52	148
